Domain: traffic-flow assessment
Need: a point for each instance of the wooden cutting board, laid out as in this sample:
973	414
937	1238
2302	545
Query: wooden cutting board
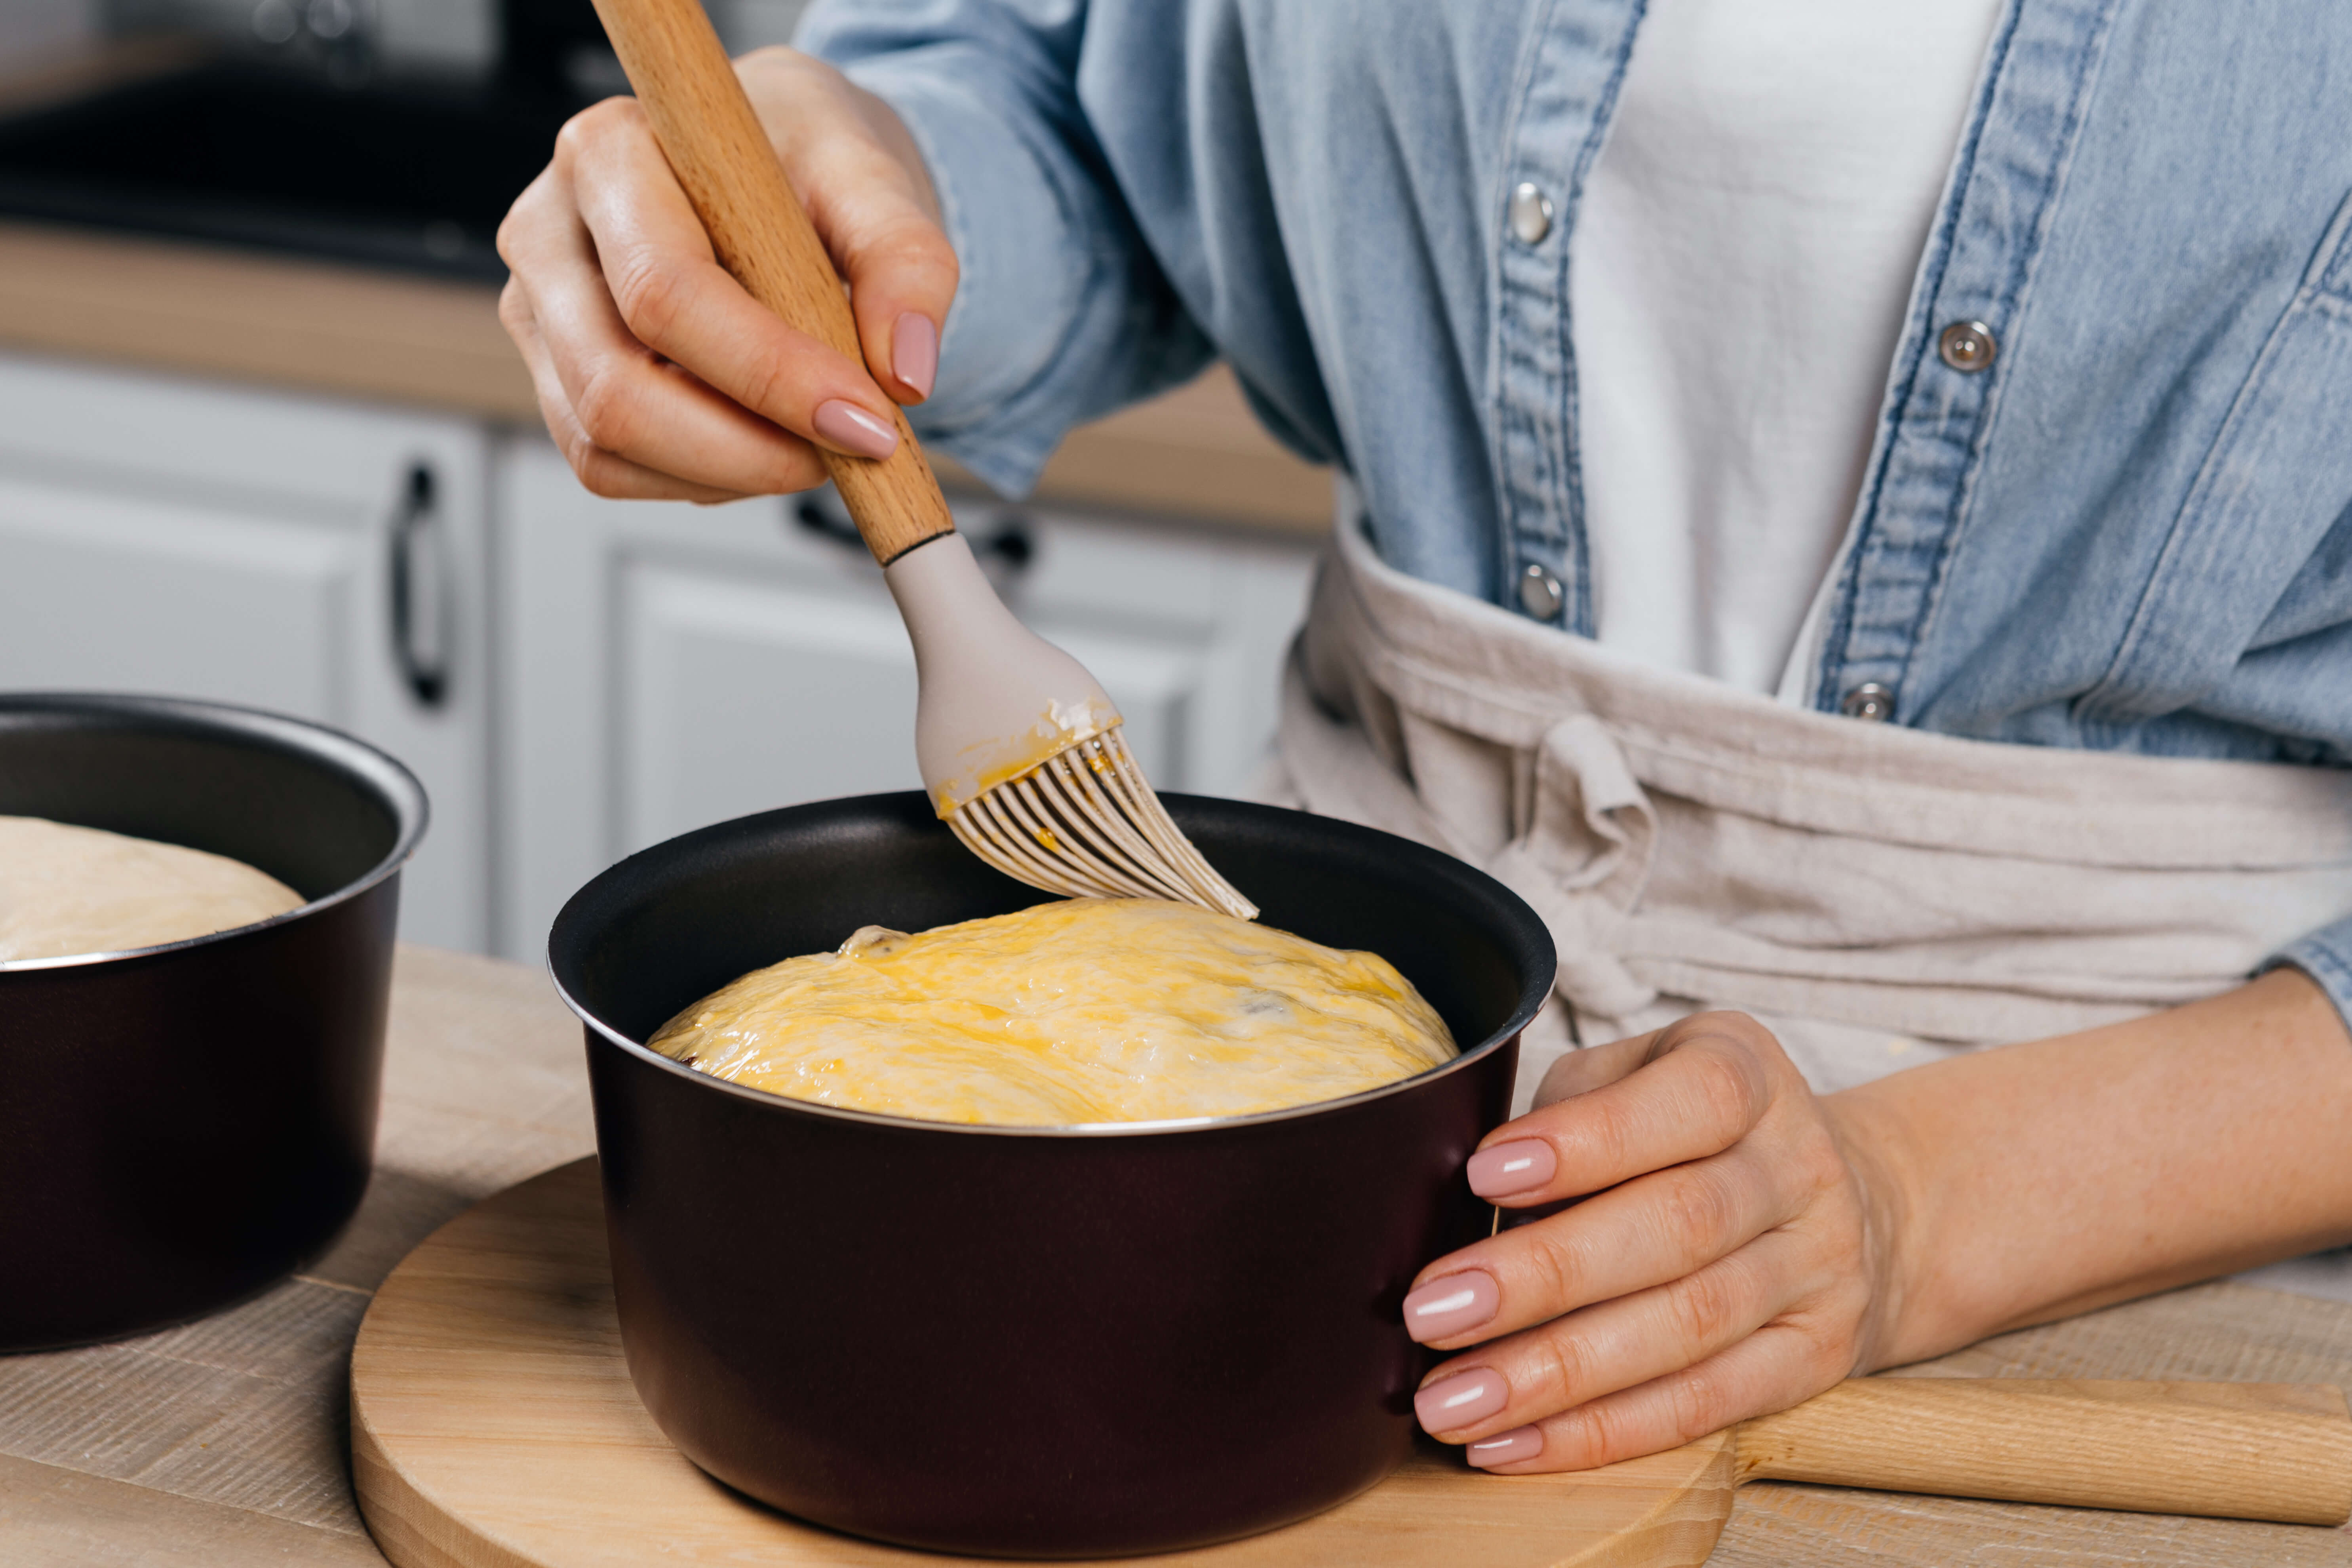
493	1426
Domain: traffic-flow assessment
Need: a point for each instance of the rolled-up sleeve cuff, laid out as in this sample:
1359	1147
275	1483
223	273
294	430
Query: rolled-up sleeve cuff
1022	270
2326	956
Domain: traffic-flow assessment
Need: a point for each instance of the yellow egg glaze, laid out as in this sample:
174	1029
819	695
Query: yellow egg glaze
1079	1011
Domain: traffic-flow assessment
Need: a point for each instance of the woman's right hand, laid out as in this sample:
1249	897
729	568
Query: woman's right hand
658	376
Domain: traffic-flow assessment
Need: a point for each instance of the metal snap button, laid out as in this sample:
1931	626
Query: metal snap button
1539	592
1967	346
1869	701
1530	214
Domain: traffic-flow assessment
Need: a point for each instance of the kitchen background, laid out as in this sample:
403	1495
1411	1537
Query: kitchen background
261	440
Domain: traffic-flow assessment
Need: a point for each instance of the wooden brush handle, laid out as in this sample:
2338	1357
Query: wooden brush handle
2232	1450
763	236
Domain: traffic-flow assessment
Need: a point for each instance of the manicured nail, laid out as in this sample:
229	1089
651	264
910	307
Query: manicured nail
1510	1168
1456	1402
915	351
1443	1307
1506	1447
854	430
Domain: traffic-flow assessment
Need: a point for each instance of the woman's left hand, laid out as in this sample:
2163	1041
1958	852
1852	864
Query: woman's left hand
1732	1257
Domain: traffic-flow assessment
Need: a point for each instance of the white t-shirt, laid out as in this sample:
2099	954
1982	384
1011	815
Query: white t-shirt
1741	268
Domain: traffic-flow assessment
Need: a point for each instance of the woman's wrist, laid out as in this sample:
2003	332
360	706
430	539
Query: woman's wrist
1871	1134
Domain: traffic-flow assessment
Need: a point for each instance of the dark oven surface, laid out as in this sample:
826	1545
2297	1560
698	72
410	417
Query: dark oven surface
403	177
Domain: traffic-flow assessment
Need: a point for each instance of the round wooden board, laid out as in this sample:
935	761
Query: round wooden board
493	1426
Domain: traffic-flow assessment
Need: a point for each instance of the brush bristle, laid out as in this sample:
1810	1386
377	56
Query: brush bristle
1085	823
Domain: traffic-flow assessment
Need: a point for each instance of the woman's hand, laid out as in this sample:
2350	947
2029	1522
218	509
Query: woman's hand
1732	1258
658	376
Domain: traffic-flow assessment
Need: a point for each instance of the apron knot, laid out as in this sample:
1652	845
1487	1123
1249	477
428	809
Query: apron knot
1583	859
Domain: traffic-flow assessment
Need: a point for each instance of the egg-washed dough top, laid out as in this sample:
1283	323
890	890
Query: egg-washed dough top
66	890
1083	1010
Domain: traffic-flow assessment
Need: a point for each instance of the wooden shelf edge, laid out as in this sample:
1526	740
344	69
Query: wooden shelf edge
305	325
1197	451
311	326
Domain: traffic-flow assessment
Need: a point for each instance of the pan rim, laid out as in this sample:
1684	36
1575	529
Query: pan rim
393	783
1535	991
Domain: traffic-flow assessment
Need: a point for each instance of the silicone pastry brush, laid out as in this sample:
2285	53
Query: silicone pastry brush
1019	747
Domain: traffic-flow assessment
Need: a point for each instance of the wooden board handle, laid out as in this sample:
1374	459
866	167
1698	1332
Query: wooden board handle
2232	1450
762	236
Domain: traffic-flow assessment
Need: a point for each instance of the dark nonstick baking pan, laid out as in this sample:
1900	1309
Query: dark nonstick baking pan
182	1125
1040	1342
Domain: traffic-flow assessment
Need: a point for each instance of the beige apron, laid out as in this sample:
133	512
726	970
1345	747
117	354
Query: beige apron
1879	895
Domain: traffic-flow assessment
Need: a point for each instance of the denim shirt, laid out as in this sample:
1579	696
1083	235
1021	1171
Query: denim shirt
2129	526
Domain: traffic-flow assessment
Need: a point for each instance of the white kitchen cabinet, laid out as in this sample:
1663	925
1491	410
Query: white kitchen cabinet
572	679
664	665
197	539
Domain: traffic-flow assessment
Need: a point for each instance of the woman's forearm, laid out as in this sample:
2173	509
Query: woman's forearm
2039	1180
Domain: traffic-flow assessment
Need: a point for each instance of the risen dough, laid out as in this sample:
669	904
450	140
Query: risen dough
66	890
1081	1010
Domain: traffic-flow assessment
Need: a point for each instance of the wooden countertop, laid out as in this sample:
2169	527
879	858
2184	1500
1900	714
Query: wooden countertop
314	326
224	1443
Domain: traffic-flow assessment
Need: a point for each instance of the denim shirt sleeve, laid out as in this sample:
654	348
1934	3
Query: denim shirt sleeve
2326	956
1061	313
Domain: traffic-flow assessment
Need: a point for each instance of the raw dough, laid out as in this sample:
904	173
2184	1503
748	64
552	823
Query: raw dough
1080	1011
66	890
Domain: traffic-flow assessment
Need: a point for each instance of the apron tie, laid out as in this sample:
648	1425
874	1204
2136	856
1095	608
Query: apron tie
1580	862
1583	861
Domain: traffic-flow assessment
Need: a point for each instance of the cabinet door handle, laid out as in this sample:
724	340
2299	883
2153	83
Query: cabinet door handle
1010	544
420	591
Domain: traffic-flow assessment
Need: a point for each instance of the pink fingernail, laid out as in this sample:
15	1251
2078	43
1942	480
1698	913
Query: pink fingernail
1520	1166
1454	1402
1506	1448
853	429
915	351
1443	1307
